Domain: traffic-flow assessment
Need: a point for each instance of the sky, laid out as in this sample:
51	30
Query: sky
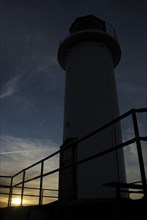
32	82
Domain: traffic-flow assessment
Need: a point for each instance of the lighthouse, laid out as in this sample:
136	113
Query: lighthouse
89	56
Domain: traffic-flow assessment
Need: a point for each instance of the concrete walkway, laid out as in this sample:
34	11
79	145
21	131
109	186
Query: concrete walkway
84	209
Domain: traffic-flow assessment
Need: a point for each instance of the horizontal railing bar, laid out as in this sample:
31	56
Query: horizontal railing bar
93	156
42	196
2	193
136	182
51	155
37	177
26	187
17	194
131	191
123	185
18	173
5	176
82	161
140	110
112	122
4	186
107	151
7	186
68	145
85	137
143	138
105	126
36	163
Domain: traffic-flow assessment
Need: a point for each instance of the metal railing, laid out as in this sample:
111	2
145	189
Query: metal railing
136	139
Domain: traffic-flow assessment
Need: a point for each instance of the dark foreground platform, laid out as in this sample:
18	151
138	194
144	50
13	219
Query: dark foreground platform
101	209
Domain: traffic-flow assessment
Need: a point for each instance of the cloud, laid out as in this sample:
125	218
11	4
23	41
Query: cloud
18	153
9	88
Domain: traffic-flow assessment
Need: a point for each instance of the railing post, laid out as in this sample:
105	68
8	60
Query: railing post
139	151
41	183
10	192
41	199
22	189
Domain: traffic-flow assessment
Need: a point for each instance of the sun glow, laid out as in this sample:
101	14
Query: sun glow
16	201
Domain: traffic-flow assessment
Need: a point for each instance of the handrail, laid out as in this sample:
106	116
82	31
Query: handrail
6	176
64	147
86	136
26	187
32	195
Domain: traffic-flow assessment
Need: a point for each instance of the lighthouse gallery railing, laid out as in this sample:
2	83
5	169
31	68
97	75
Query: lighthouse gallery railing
136	139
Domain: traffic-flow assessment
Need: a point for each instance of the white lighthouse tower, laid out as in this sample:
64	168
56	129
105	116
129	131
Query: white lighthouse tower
89	55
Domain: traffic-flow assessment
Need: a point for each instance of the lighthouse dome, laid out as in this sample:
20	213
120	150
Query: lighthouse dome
87	22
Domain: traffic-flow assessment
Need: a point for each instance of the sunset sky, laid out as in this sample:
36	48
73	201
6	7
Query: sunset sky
32	82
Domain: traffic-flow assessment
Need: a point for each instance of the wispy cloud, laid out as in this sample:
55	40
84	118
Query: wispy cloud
9	88
18	153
